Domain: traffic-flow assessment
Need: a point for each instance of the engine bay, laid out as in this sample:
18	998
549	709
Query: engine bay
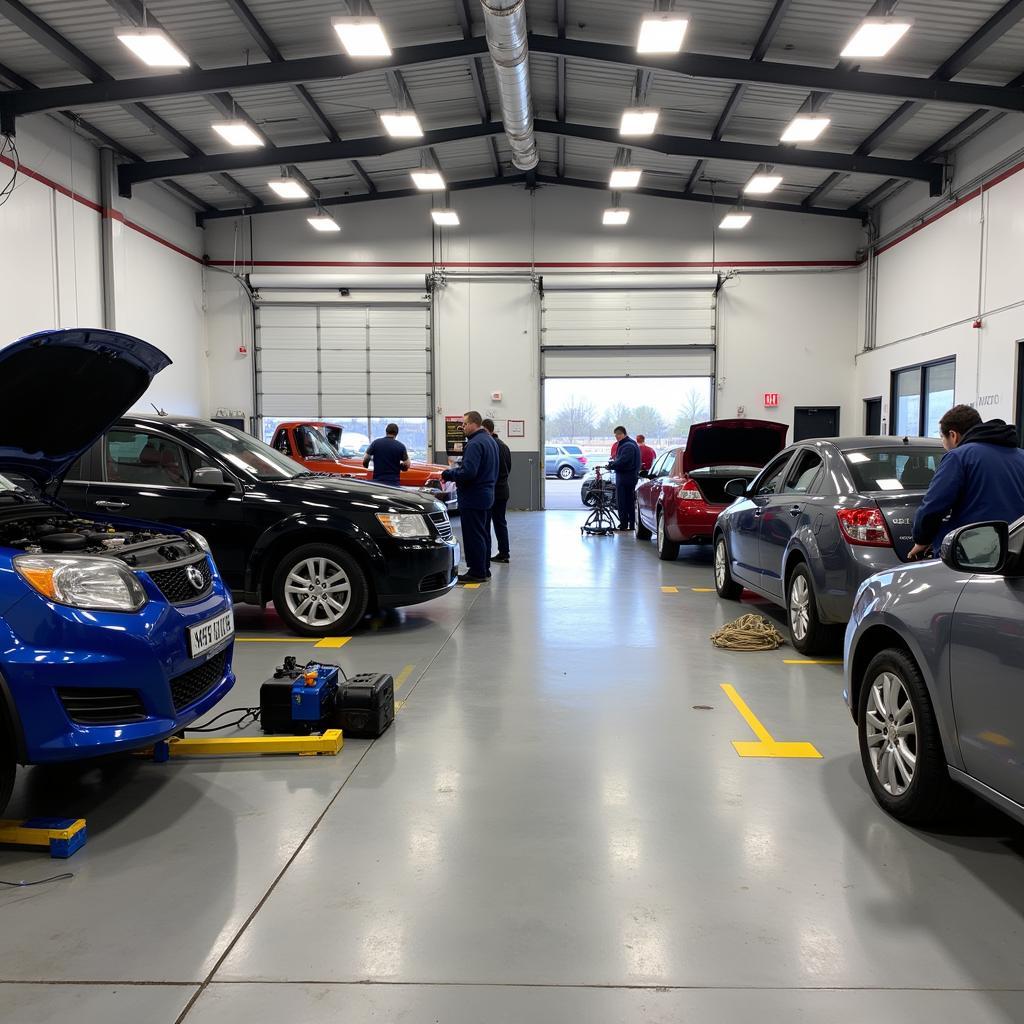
66	535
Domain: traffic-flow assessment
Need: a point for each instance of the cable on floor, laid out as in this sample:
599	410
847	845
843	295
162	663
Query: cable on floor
41	881
748	633
247	715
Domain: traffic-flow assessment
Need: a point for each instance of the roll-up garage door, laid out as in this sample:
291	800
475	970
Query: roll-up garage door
343	361
628	331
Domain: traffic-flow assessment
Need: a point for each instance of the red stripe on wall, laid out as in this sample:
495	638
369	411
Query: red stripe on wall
540	265
96	208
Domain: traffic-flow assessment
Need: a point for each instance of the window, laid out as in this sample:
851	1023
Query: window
247	454
281	443
803	477
902	468
770	481
312	445
920	397
663	467
550	451
138	457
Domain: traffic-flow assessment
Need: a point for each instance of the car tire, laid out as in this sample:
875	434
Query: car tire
8	766
566	473
310	566
642	533
725	586
809	634
908	777
668	549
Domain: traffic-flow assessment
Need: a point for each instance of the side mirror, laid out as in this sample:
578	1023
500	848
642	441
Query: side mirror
736	488
979	548
644	475
210	478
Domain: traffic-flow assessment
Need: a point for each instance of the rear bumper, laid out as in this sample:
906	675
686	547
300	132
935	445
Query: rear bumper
695	521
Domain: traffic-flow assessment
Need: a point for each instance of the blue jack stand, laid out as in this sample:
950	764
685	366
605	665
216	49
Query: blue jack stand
62	836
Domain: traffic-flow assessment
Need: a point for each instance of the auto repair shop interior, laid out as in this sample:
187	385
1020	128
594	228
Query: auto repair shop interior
272	748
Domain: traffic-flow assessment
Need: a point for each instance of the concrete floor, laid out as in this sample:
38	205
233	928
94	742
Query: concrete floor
555	829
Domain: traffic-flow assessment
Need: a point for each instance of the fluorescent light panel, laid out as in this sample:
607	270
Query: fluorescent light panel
427	179
152	47
401	126
624	177
323	223
639	121
238	133
734	220
445	218
661	33
762	184
288	188
615	216
876	37
362	37
805	128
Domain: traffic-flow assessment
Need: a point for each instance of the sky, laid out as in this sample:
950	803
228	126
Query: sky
666	394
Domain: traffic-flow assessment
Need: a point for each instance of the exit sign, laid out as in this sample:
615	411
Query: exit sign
771	399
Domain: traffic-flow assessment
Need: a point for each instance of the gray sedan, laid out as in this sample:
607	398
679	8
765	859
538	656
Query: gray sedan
935	676
817	521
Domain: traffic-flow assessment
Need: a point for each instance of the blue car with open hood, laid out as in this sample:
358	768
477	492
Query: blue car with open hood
113	634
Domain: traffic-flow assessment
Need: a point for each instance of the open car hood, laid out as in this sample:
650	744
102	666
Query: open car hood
733	443
60	390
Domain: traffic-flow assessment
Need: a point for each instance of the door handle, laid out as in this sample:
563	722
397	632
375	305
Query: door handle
758	512
795	510
111	504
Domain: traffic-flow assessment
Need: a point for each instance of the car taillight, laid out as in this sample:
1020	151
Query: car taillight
864	526
688	491
583	460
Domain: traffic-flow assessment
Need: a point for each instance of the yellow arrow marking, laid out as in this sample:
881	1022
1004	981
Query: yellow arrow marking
766	745
670	590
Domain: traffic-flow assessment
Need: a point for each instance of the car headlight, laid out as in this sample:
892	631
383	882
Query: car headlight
404	525
199	540
82	582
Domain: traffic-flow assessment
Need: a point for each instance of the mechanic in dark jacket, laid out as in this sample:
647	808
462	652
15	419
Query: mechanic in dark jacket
980	479
500	505
475	480
626	464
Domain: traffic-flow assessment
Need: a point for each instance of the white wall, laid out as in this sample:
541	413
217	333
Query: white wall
50	260
935	283
791	332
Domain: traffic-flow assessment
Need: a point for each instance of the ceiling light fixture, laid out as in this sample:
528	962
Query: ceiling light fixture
288	188
661	33
735	219
237	133
401	126
445	218
762	184
615	216
639	121
427	179
624	177
805	128
362	37
323	222
153	47
876	37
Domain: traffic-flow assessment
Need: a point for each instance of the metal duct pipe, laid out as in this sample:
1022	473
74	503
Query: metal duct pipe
505	25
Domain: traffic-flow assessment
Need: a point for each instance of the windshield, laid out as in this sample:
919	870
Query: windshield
15	490
247	454
900	468
313	445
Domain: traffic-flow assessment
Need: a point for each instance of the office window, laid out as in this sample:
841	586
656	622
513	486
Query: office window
920	396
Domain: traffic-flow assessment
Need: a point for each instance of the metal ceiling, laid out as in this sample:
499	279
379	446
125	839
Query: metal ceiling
76	44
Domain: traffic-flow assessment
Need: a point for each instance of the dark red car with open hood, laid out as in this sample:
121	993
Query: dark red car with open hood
683	493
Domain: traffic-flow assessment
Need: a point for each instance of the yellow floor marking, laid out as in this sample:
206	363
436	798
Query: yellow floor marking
277	640
766	745
791	661
470	586
399	704
403	676
333	641
670	590
703	590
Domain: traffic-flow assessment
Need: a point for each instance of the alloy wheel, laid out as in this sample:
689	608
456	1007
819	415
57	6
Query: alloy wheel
318	591
720	564
799	607
891	732
661	531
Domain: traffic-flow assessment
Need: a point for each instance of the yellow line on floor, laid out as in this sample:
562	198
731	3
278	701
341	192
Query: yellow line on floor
670	590
703	590
793	661
277	640
333	641
403	676
766	745
470	586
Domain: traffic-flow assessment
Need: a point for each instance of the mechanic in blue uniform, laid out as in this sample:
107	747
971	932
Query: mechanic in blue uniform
390	457
475	480
980	479
626	463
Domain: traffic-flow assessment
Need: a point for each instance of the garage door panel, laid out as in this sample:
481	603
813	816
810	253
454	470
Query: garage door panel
343	337
342	316
283	403
345	406
288	337
398	383
343	361
343	383
290	382
287	360
396	362
397	405
589	363
288	316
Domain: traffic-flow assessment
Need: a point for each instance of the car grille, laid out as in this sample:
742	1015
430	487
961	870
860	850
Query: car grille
192	686
102	707
175	585
435	581
442	524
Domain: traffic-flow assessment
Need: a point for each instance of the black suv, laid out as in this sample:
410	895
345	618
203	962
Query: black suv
325	549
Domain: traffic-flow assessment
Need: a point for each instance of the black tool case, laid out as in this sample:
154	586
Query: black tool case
366	705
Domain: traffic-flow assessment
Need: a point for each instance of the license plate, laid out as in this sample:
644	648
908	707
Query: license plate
210	634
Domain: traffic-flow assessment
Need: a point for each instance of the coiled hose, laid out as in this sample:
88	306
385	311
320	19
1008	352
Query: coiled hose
748	633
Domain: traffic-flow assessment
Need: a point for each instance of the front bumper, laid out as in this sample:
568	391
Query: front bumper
417	571
47	650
